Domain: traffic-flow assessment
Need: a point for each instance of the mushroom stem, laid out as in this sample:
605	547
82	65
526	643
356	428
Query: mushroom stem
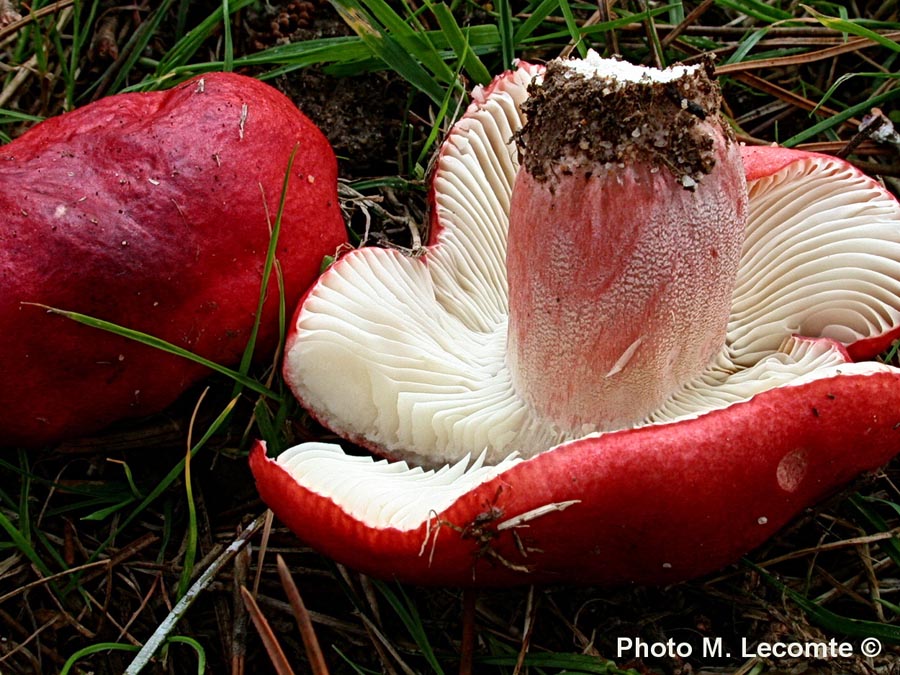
625	233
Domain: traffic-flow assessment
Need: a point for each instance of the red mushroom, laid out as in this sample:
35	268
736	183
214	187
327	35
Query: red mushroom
153	211
487	369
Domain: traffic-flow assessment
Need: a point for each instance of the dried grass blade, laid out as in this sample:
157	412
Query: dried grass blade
276	653
178	611
237	648
799	59
304	622
16	26
847	26
689	20
844	116
530	615
785	95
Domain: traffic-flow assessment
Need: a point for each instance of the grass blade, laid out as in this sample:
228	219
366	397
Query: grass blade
188	45
197	647
527	27
469	60
22	536
847	26
95	649
268	266
572	27
388	50
507	40
165	627
889	546
830	620
598	28
420	47
164	484
757	9
162	345
228	47
409	615
842	116
419	166
81	29
190	550
746	46
22	543
138	42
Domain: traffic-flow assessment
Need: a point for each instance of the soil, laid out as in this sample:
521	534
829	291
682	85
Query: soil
362	116
586	124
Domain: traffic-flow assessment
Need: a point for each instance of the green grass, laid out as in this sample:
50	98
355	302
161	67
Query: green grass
136	533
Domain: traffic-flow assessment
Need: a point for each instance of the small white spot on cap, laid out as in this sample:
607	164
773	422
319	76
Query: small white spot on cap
762	520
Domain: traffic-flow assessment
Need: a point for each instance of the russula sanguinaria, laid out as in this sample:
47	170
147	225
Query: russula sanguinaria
153	211
730	310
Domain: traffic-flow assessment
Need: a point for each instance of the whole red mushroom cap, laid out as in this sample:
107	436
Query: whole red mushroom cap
716	438
153	211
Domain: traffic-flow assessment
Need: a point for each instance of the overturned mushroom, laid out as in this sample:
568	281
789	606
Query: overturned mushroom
616	361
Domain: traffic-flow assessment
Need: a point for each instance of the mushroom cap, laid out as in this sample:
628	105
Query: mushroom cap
652	505
152	211
405	356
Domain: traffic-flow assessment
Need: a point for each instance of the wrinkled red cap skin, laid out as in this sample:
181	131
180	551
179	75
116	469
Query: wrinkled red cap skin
147	210
659	504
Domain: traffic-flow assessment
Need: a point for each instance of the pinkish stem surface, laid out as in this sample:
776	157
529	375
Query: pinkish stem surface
621	266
